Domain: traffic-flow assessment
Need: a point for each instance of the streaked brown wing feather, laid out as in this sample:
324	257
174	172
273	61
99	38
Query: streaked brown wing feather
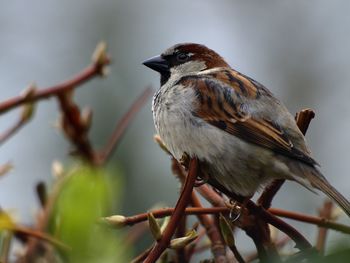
220	101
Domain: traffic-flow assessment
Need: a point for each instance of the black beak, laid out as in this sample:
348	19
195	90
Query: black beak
157	63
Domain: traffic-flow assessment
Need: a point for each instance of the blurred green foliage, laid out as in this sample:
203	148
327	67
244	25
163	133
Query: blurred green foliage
84	198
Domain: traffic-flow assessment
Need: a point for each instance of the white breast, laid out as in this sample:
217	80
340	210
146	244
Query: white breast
238	165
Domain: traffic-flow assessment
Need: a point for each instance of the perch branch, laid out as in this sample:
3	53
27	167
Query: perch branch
160	213
181	204
217	246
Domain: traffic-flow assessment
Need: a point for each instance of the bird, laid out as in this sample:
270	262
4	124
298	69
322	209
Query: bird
242	135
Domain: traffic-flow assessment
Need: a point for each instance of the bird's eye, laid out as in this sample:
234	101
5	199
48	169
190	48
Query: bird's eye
182	57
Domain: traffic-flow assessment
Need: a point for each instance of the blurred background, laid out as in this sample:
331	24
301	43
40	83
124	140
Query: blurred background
298	49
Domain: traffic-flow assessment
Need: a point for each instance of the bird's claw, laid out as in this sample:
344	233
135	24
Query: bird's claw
201	180
235	210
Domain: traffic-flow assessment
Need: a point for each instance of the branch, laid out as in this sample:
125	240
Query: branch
141	257
217	246
178	213
95	69
120	128
326	213
322	222
26	115
160	213
75	128
303	119
36	234
179	233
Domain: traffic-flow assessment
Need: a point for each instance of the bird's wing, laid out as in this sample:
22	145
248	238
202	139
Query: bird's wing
222	99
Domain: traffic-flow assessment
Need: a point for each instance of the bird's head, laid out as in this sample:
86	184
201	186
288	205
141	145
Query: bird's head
185	59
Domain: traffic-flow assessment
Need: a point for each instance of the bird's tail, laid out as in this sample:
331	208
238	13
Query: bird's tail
318	181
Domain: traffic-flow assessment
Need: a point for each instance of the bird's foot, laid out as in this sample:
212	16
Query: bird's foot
235	209
201	180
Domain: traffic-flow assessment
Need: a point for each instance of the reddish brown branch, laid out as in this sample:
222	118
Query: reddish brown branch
326	213
303	119
137	232
181	232
85	75
265	199
74	127
120	128
142	256
322	222
178	213
132	220
217	246
160	213
11	131
300	241
210	195
266	216
22	230
26	115
257	228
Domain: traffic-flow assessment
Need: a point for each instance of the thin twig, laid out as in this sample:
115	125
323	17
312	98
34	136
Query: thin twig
120	128
181	204
265	199
12	130
25	116
37	234
85	75
217	246
303	119
326	213
322	222
211	196
74	127
160	213
142	256
135	233
181	232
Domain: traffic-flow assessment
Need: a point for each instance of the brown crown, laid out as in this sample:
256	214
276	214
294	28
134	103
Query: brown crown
201	52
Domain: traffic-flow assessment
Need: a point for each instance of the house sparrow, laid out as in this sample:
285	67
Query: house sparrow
242	135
